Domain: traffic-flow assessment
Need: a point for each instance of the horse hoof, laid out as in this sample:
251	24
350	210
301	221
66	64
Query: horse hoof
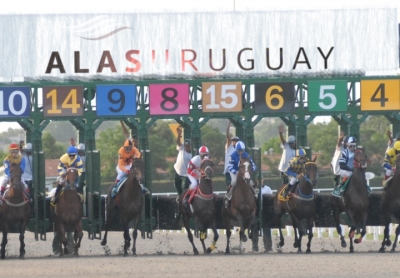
134	255
243	238
351	250
356	241
299	251
208	250
382	250
344	245
195	252
227	252
308	251
388	242
126	254
295	245
21	257
393	251
281	244
103	242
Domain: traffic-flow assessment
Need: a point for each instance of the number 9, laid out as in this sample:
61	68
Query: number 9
120	99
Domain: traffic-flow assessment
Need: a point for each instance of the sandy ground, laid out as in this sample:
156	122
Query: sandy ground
171	255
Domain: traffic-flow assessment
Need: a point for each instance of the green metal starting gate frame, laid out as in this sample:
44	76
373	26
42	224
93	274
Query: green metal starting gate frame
244	122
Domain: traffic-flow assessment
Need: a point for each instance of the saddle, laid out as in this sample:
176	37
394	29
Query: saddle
281	196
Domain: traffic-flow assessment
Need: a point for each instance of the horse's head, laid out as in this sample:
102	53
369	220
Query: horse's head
207	168
245	169
360	158
71	177
137	170
310	172
16	173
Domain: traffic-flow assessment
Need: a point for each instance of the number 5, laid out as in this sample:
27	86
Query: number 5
323	95
226	94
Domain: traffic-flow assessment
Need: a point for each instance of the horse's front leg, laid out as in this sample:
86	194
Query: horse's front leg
336	217
310	234
22	242
127	238
78	234
3	244
297	228
243	237
364	229
134	233
396	239
351	236
386	237
227	224
185	219
110	216
62	240
215	238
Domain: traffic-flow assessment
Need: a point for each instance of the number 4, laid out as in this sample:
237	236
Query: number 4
382	99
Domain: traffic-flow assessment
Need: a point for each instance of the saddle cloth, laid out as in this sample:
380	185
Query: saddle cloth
118	187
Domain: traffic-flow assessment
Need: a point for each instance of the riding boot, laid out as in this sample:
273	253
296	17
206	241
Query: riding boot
2	195
185	201
145	190
114	190
287	190
28	195
55	197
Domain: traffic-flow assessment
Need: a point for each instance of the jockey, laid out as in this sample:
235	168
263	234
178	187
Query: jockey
295	169
126	154
194	174
390	159
234	167
71	159
12	158
347	159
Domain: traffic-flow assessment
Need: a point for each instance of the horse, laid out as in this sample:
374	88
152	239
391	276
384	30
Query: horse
355	201
390	205
15	209
67	213
242	208
301	206
129	203
203	208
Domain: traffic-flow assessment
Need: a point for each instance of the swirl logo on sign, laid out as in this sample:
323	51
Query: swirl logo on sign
98	28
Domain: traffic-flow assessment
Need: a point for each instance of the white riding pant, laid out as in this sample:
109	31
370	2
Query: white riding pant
293	180
121	174
194	182
345	173
4	181
389	172
234	180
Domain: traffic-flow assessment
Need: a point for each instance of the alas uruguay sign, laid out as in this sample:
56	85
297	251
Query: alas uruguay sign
202	44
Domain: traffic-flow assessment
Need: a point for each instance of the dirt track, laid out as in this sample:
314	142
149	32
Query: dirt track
171	255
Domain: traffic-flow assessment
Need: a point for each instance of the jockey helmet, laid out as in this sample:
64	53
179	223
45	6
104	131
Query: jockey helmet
301	153
81	147
240	146
203	150
28	147
71	150
235	138
13	146
396	145
291	139
351	141
128	145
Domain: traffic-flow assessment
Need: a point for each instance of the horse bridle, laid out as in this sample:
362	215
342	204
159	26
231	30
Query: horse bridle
357	164
305	175
205	169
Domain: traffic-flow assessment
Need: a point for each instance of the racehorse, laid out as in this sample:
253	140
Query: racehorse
301	207
354	202
390	204
242	208
15	209
67	213
203	206
128	202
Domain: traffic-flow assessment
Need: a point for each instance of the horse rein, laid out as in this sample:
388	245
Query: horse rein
357	164
305	175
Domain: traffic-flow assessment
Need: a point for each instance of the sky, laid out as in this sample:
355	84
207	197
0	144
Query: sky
161	6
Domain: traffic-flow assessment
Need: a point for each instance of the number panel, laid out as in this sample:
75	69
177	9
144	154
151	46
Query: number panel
62	101
274	97
169	99
380	95
118	100
222	96
327	95
15	102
